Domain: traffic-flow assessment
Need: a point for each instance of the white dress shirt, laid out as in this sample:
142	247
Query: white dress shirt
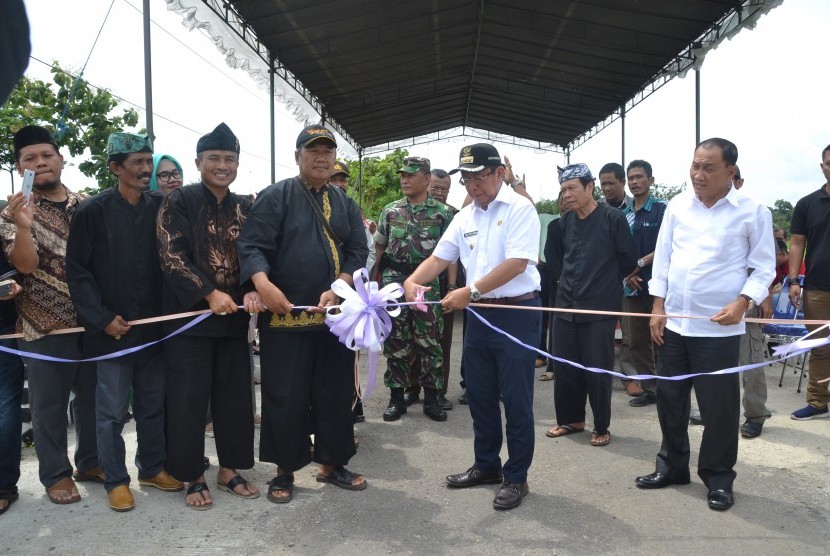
483	239
702	256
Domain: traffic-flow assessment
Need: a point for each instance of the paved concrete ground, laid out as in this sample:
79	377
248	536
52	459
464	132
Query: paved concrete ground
582	501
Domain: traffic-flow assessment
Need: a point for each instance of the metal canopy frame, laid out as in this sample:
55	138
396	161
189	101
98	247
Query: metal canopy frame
282	21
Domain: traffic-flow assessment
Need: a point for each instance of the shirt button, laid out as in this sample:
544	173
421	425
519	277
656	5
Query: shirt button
219	229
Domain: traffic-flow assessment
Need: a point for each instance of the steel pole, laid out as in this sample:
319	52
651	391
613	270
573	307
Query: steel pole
148	73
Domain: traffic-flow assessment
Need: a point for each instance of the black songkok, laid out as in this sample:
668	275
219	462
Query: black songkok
32	135
220	139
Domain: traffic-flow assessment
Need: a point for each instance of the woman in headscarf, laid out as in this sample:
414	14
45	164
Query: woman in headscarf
167	174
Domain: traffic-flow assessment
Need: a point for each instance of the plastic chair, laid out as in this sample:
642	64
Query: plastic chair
786	333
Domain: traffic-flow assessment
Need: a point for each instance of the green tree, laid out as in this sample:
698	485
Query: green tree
90	118
667	192
782	214
381	184
550	206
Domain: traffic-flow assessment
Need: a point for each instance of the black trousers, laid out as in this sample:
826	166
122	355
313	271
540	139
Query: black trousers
202	370
307	386
719	399
502	372
591	344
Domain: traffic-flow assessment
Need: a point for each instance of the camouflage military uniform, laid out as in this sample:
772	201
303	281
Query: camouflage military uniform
409	234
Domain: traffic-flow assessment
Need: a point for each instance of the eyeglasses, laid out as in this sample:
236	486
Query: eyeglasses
169	176
475	179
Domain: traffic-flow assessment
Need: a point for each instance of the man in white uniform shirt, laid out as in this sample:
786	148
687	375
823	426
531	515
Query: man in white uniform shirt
708	239
496	238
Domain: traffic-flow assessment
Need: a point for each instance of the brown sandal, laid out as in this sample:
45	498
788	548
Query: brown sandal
68	485
91	475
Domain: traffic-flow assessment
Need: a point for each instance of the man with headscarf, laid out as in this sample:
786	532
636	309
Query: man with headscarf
198	227
34	234
114	277
597	251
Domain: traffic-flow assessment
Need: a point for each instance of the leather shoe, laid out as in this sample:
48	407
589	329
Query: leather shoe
163	481
121	499
474	477
462	397
510	496
751	429
660	480
721	499
446	404
642	400
695	419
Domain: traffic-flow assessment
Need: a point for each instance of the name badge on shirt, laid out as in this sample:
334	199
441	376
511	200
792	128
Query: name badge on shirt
471	234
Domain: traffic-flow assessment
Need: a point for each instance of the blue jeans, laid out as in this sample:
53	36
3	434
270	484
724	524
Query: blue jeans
11	390
144	372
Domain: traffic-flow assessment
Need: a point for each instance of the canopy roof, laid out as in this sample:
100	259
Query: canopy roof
546	71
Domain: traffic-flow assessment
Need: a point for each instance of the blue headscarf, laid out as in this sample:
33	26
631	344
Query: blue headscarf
157	158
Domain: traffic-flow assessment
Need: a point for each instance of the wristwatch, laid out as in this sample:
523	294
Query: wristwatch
749	300
475	295
641	263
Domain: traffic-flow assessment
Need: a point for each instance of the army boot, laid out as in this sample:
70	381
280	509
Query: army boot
396	407
432	405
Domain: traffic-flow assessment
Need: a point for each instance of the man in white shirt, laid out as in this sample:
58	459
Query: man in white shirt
709	238
496	238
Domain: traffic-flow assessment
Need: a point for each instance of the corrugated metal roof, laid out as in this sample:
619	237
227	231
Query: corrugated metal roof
541	70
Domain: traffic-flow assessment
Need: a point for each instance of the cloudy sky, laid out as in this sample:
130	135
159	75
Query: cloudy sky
763	90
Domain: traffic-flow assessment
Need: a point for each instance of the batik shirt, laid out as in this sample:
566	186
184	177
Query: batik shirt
44	305
197	237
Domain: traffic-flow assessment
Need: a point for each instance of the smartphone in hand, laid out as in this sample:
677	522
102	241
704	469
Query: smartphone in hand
28	182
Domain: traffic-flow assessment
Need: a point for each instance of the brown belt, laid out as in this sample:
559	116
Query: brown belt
508	300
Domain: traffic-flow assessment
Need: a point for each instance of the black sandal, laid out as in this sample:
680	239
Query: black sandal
10	497
283	482
342	477
235	481
199	488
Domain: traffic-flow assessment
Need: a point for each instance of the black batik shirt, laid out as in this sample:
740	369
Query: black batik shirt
197	237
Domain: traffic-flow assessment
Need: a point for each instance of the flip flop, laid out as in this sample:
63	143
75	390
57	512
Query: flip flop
230	487
199	488
91	475
9	497
544	377
342	477
600	439
569	429
281	482
64	484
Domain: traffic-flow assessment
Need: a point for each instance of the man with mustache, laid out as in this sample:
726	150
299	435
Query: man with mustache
34	234
114	277
198	227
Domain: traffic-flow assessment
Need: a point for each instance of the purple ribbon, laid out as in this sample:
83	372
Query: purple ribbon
365	317
126	351
786	351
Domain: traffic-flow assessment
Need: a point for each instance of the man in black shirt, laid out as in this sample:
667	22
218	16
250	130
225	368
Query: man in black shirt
301	235
597	251
198	226
811	232
113	272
